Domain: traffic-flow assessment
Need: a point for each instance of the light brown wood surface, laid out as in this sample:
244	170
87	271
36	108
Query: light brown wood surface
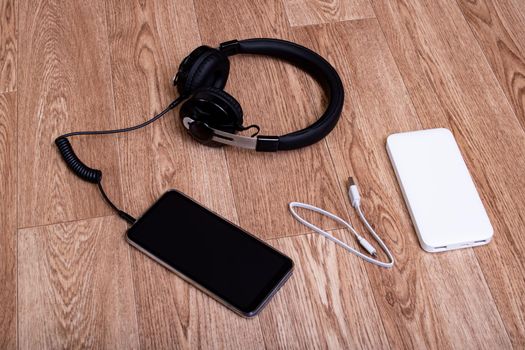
8	188
498	27
65	85
304	12
325	302
70	280
8	11
77	289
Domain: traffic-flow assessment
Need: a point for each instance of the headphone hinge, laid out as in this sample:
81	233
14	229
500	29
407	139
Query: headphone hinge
230	47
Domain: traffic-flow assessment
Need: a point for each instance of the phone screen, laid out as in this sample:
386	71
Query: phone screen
221	258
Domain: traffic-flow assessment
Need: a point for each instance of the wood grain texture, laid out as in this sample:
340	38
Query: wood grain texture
8	13
65	85
105	63
307	12
8	189
493	23
452	86
75	286
414	314
264	183
328	301
148	40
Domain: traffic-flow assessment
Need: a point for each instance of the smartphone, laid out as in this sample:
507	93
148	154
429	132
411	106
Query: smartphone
218	257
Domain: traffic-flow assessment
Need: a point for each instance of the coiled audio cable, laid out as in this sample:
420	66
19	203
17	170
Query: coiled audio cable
95	175
75	164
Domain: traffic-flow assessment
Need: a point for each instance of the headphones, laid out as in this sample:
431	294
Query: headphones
213	117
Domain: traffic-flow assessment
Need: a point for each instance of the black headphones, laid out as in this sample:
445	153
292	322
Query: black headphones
213	117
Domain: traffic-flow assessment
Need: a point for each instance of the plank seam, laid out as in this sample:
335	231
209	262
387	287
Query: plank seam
17	182
330	23
22	228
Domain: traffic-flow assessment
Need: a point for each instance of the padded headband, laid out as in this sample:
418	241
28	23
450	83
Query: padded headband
313	64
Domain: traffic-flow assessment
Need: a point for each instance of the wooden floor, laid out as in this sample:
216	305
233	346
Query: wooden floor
68	278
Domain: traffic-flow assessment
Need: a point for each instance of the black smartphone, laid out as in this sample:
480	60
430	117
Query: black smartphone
208	251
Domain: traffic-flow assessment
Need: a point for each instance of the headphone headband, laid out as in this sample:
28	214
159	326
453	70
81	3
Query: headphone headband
313	64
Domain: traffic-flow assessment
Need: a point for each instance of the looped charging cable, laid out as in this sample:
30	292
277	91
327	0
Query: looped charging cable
355	200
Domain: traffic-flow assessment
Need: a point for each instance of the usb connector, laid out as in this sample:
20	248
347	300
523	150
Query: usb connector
355	200
367	246
353	193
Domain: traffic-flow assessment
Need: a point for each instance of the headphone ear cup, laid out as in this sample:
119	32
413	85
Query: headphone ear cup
215	108
230	104
203	67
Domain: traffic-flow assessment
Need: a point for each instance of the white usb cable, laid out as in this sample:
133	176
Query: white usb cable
355	200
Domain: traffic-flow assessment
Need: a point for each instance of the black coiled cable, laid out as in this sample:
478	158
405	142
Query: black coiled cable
94	175
75	164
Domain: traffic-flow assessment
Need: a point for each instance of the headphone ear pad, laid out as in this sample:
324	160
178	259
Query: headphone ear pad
214	107
204	67
230	104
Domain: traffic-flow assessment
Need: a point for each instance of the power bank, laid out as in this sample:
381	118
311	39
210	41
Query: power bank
441	197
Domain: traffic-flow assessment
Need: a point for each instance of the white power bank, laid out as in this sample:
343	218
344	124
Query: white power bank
444	204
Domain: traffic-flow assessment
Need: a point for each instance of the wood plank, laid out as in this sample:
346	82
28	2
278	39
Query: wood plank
264	183
513	14
148	40
307	12
64	86
452	86
75	286
328	301
494	23
411	298
8	14
8	188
